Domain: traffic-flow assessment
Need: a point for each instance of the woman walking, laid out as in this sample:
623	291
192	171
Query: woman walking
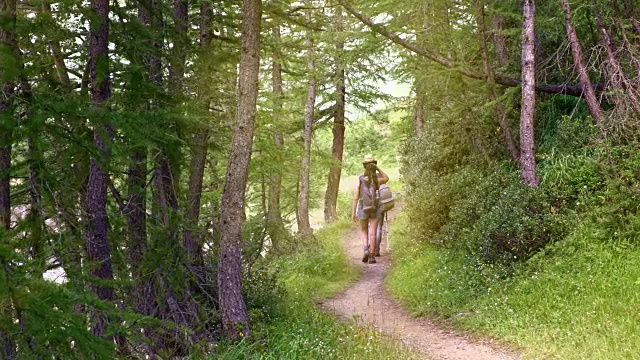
366	209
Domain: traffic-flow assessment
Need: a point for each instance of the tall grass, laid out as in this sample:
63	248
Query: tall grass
298	329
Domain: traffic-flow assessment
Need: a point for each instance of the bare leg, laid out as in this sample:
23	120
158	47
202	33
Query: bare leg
373	230
364	231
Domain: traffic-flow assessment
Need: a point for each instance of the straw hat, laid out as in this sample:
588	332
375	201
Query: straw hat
369	159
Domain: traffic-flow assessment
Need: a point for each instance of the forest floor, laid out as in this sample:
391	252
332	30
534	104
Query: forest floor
367	303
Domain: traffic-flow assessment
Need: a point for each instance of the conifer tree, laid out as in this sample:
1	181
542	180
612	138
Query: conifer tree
235	318
304	226
527	144
98	248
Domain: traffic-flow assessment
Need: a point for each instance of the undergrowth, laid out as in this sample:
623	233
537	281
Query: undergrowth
551	270
294	327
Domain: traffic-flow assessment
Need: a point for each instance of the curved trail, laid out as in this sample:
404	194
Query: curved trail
367	301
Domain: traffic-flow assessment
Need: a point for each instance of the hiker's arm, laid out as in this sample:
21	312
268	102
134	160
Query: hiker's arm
382	176
356	196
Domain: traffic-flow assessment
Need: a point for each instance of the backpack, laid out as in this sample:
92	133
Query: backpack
386	198
368	195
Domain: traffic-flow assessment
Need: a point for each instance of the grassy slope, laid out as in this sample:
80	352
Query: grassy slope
577	300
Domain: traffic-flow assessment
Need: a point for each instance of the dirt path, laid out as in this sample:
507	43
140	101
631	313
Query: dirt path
367	301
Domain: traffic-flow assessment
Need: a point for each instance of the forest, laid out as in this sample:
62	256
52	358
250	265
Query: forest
175	176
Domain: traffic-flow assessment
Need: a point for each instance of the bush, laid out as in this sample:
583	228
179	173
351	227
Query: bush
520	223
263	292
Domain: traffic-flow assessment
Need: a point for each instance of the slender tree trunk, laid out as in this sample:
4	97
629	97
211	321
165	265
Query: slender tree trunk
7	123
576	49
304	226
498	109
500	40
420	102
144	293
98	251
37	241
7	88
235	319
617	76
54	46
527	141
167	169
275	224
337	149
176	66
6	138
192	243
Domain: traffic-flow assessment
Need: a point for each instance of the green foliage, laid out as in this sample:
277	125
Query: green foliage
549	269
575	297
372	135
263	291
296	328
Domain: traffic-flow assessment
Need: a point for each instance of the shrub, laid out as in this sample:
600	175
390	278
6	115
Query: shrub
263	292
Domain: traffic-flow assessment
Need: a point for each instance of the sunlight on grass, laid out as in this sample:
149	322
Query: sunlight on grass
579	299
581	302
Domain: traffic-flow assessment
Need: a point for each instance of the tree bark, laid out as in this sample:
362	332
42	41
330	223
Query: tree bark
617	76
98	251
176	66
576	49
304	226
7	86
192	243
7	124
420	102
167	169
498	109
275	224
235	318
337	149
499	40
54	46
527	114
461	69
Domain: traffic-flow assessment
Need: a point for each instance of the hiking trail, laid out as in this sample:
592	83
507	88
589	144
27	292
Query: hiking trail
367	302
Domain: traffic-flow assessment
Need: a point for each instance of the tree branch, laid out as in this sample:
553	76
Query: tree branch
574	90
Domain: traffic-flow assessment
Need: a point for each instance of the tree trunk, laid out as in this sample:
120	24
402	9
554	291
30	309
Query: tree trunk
98	251
144	293
576	49
527	141
235	319
420	102
192	243
617	76
275	224
37	240
54	46
7	124
7	86
500	40
6	138
499	111
337	150
304	227
167	169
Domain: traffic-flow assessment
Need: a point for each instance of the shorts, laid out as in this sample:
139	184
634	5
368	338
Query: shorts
362	215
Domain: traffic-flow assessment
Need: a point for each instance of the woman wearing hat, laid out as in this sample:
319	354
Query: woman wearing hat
372	178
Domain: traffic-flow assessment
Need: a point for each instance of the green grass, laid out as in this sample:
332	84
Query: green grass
299	330
579	299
